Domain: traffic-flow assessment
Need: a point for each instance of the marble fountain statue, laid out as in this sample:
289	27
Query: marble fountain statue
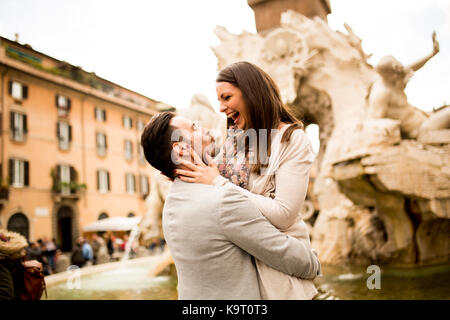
383	180
383	168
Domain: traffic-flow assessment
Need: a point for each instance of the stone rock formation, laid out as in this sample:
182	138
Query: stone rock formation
383	180
199	110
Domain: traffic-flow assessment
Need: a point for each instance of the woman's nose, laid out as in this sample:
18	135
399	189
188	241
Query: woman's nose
222	107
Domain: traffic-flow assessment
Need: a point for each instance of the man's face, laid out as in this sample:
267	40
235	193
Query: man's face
189	132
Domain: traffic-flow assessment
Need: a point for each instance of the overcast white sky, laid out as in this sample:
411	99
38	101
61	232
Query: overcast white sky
162	48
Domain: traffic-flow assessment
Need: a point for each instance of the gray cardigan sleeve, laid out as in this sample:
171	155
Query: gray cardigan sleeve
244	225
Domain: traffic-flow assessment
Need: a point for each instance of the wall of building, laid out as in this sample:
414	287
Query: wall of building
40	148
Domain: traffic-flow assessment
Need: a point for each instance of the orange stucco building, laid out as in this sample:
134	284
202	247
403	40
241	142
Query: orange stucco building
69	148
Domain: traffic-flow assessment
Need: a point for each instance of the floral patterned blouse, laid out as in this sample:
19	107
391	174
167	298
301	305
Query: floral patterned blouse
233	164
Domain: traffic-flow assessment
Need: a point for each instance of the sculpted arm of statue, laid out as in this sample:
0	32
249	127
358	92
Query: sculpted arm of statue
419	64
150	223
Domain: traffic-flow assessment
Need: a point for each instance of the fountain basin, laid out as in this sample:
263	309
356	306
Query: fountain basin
122	280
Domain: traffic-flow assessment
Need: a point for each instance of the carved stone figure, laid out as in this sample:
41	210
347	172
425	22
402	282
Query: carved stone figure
387	99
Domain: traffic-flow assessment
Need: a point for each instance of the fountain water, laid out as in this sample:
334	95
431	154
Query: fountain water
134	235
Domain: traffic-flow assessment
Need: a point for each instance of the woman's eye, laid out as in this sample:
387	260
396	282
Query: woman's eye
227	97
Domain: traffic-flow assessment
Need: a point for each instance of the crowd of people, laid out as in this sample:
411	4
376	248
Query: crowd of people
46	252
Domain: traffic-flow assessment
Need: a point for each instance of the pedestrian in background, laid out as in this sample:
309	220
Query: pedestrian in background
88	253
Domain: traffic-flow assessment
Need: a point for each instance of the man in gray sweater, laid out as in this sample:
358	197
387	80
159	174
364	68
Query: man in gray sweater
214	232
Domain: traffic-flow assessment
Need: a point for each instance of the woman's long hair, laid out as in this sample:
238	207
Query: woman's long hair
264	108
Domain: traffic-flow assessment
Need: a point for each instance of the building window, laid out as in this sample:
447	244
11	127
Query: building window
127	122
63	104
100	114
103	215
141	154
140	125
63	181
18	125
101	143
64	134
128	150
17	90
130	183
103	181
18	173
144	185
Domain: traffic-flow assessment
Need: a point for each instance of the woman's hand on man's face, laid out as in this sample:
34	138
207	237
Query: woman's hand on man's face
198	172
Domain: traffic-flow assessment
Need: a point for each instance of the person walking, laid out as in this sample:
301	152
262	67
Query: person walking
88	253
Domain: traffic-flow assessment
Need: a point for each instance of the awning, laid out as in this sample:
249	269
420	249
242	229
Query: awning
113	224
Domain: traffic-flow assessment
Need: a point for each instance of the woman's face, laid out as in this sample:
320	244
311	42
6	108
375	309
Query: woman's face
232	103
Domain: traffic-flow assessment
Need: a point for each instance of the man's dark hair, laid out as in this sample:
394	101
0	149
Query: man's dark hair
157	145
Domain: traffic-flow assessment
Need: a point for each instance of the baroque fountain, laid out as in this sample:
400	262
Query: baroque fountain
381	187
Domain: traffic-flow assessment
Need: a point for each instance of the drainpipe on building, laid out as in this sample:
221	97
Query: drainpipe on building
2	101
83	148
3	121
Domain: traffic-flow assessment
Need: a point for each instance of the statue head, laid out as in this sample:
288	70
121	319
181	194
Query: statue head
200	98
393	71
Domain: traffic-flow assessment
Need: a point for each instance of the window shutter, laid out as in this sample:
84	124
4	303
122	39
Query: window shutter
27	175
134	182
131	123
25	127
11	121
10	87
104	115
58	174
11	171
107	179
98	179
95	113
57	130
56	101
73	177
106	141
70	133
24	92
69	103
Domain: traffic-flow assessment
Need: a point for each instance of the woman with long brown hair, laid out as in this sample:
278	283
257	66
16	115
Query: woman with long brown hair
267	156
